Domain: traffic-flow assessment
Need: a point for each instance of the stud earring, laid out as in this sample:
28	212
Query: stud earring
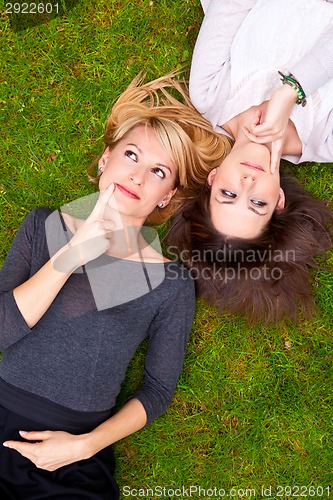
161	204
101	169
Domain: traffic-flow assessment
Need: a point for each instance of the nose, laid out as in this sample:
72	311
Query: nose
137	178
248	178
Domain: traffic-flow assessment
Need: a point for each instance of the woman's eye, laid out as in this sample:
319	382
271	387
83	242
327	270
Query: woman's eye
130	154
227	193
258	203
159	172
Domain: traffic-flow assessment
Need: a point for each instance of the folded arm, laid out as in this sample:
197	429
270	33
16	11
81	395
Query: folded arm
168	338
313	71
24	299
212	52
51	450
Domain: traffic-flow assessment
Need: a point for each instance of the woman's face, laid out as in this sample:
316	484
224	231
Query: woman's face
244	194
142	171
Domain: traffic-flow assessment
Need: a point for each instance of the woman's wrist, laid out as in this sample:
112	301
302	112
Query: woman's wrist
92	442
87	446
67	259
289	94
290	81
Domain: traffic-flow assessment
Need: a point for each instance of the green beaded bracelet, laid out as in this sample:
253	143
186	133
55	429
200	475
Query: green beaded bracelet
292	82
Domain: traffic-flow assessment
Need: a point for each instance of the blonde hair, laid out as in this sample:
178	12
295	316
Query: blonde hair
186	136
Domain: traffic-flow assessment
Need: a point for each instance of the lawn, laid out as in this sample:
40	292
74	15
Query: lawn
254	406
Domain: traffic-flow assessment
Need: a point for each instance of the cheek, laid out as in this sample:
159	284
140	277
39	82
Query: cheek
108	175
274	193
271	186
158	187
103	182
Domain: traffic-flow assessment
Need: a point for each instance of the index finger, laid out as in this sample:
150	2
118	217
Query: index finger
275	156
103	199
19	446
273	165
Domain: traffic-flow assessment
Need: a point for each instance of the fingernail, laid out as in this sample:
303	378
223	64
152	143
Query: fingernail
111	186
23	433
5	445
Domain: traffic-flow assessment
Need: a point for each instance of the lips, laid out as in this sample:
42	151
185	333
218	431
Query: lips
127	192
254	166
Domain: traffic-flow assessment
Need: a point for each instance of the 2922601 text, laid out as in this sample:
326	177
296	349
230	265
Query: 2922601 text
31	8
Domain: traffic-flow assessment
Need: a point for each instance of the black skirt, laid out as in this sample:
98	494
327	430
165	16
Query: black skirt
20	479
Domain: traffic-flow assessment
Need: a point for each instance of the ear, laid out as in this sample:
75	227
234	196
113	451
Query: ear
281	202
211	176
167	197
104	158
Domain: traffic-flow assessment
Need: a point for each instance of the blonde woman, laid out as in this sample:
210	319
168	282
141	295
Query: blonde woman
78	296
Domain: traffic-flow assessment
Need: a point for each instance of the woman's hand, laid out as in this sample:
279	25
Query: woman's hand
51	450
269	126
91	239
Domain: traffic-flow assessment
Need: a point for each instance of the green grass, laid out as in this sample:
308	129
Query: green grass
254	405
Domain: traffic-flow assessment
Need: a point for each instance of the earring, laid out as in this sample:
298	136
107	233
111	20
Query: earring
161	204
101	169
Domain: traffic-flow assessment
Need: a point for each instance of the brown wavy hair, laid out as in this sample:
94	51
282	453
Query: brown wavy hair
267	278
189	139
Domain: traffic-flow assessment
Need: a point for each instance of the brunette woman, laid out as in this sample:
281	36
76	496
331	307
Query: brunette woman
262	73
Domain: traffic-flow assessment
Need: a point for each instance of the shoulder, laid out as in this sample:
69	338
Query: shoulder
175	271
175	300
179	282
37	215
35	220
171	282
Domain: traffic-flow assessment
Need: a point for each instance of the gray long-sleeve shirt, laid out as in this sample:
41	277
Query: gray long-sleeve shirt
77	356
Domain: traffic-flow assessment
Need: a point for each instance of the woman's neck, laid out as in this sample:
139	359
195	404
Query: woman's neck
126	241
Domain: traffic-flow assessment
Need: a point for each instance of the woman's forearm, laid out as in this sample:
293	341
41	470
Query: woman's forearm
315	68
50	450
130	418
34	296
212	51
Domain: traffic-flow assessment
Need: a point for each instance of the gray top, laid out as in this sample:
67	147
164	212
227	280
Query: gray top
76	355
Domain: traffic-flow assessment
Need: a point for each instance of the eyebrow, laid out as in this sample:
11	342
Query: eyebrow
249	208
141	152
